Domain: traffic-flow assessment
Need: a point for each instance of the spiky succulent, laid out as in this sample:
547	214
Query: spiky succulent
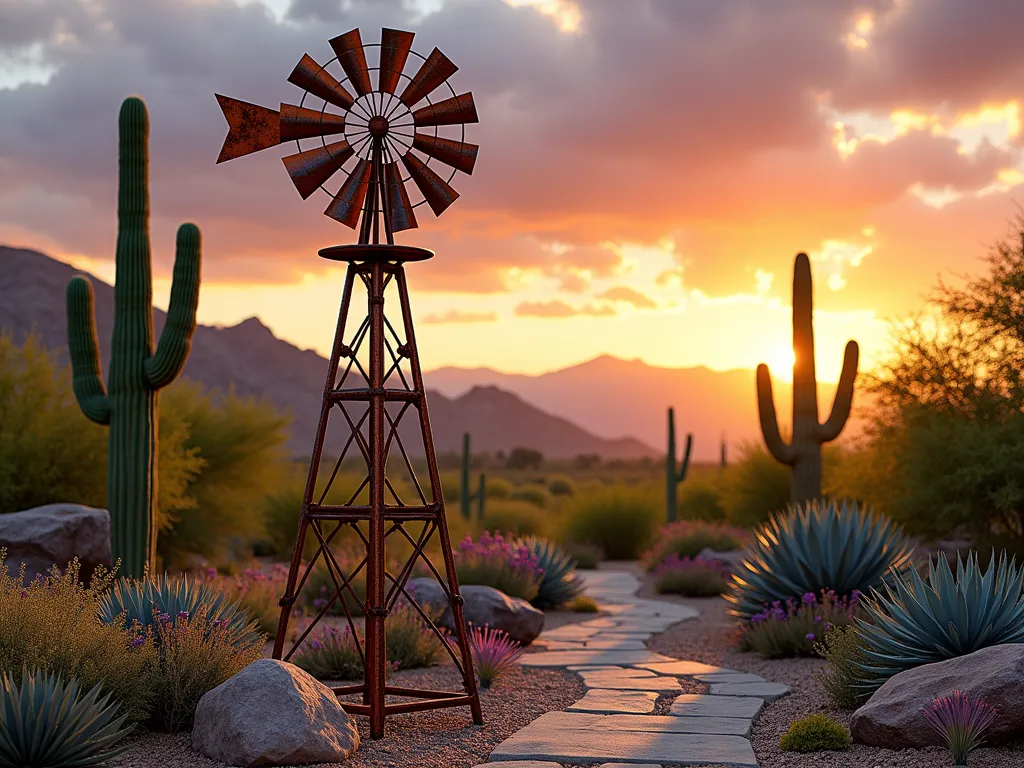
45	723
917	620
138	599
816	545
560	584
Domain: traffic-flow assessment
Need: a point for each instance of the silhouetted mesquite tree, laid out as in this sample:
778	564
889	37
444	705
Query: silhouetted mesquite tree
129	404
803	453
673	477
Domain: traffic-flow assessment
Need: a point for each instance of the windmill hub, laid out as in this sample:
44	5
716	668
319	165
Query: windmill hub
378	125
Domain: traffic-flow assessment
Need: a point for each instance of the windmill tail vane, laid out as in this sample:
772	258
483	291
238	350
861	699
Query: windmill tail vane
373	136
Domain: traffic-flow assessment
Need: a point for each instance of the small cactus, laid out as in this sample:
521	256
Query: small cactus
129	406
803	453
672	476
465	496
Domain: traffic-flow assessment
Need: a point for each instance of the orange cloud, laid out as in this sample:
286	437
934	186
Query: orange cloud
629	295
559	308
460	316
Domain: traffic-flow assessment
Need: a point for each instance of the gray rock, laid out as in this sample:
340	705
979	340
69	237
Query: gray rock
892	716
605	701
54	535
273	713
484	606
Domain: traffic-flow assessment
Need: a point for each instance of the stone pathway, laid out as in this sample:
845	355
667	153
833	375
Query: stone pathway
612	725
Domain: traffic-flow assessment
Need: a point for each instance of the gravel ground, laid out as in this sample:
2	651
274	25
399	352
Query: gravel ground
433	739
708	639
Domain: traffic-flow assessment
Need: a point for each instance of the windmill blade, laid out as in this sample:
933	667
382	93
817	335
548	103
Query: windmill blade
302	123
348	203
400	211
349	50
457	154
312	77
250	128
394	51
454	111
312	168
435	190
434	71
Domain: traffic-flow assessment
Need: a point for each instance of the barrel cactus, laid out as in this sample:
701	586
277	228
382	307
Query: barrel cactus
560	584
137	372
820	544
916	620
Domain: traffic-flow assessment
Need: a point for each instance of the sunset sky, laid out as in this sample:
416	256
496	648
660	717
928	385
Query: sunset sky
648	169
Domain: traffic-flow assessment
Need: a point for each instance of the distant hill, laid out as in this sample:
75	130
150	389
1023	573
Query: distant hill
249	357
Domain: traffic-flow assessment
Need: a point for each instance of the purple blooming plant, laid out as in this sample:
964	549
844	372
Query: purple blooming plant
494	653
794	626
961	722
691	576
494	562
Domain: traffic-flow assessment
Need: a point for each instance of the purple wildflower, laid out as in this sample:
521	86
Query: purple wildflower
809	598
493	653
961	721
809	637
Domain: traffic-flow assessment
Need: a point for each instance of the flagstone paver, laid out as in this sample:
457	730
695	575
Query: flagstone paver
613	723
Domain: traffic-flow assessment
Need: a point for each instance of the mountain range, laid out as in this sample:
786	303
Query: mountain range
609	406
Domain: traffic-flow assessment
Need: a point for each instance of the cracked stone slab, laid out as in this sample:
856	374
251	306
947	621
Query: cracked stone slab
711	706
589	658
623	634
730	677
520	764
569	632
600	644
766	691
615	681
620	671
604	701
683	668
559	645
570	737
598	667
600	623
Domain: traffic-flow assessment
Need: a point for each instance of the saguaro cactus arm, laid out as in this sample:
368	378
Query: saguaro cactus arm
685	463
782	451
176	338
844	396
84	350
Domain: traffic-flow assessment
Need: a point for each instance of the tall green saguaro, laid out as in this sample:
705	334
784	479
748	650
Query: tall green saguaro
129	403
465	497
672	476
803	452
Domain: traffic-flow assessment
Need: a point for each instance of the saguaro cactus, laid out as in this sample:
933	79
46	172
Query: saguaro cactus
723	455
672	476
465	497
129	405
803	453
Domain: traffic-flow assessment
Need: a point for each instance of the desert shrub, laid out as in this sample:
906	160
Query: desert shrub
498	488
515	517
587	556
620	520
754	487
560	485
53	624
815	733
332	654
240	442
920	620
141	601
50	452
700	498
493	652
255	590
531	494
690	577
841	648
794	629
320	588
411	644
559	584
45	722
584	604
687	539
818	545
196	655
494	562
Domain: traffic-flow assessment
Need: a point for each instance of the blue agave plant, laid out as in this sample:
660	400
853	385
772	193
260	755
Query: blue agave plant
560	584
138	599
45	723
919	620
820	544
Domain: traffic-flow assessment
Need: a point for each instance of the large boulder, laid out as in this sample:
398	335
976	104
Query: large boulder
273	713
892	716
483	606
54	535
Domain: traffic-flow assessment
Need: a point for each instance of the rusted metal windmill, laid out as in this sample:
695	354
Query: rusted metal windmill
372	138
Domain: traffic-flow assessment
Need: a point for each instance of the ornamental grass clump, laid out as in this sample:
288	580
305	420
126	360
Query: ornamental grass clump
691	577
815	733
494	562
793	627
53	624
494	653
255	590
961	722
196	655
333	654
842	649
688	538
46	723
